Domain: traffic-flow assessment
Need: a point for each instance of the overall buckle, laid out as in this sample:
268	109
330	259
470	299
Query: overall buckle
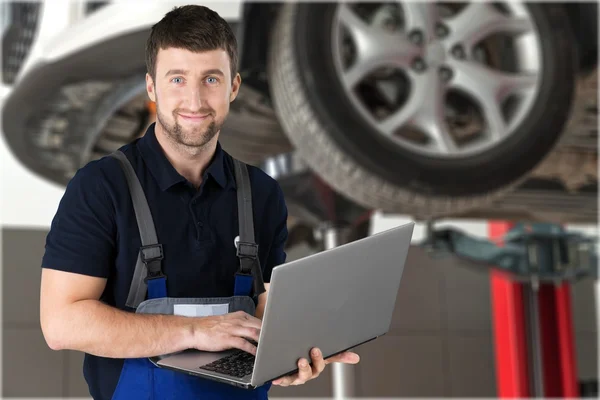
248	254
151	256
247	250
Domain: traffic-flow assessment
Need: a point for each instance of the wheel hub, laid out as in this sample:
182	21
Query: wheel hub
435	54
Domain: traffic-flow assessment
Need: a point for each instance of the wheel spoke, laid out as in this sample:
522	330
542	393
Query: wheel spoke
438	131
401	118
495	84
375	47
479	20
421	16
358	71
409	110
484	92
490	88
497	127
359	29
425	109
431	117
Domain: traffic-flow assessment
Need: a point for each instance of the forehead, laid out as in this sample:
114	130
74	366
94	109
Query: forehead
176	58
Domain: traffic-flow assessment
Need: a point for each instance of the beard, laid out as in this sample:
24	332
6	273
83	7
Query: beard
195	137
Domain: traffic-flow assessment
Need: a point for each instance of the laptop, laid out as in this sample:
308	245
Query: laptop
335	300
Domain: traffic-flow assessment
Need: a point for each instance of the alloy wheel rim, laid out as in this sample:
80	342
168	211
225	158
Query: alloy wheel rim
435	85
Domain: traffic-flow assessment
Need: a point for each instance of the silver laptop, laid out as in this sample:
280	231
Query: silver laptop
335	300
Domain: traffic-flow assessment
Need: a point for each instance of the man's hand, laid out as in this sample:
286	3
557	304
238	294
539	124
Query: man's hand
224	332
73	318
307	373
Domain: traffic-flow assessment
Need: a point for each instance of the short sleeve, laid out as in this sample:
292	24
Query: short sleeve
82	234
277	255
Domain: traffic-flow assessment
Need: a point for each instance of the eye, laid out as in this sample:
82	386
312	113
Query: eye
212	79
175	80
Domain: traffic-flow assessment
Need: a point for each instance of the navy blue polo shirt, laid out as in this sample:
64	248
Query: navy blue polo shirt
94	231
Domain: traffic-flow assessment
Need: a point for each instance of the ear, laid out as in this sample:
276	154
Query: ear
150	87
235	87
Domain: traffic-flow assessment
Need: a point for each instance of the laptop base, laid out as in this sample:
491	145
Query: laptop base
190	362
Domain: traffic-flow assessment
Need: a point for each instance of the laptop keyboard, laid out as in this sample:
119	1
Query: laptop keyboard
238	364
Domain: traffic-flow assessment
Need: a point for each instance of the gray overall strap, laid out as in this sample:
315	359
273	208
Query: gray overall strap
247	249
149	262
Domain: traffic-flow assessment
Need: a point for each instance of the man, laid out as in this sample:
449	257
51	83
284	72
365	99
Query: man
189	183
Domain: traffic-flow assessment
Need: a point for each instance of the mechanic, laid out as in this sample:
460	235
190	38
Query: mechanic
189	183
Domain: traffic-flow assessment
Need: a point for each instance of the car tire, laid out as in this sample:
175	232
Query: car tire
319	121
252	132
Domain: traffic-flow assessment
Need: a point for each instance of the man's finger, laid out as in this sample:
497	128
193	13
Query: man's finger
250	324
246	319
304	372
244	332
286	380
242	344
317	361
347	357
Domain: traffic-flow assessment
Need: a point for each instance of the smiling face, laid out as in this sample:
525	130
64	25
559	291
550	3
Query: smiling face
192	91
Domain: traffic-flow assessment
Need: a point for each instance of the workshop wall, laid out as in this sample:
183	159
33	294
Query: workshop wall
440	344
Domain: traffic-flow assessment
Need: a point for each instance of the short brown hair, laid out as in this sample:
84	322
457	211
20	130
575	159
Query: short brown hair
195	28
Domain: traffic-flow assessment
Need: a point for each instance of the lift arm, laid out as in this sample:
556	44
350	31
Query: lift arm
538	251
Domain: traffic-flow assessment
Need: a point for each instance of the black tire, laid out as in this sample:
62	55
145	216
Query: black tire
252	132
98	117
317	117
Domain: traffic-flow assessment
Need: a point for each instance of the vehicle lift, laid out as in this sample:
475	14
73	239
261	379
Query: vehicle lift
531	267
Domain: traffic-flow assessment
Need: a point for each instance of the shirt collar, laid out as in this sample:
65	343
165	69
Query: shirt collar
162	170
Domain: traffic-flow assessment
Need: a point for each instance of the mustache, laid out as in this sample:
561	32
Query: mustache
202	111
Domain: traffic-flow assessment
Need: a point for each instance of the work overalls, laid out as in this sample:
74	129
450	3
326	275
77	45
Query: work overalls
140	378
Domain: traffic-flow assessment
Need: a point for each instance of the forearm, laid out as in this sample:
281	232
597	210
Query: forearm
260	311
262	302
96	328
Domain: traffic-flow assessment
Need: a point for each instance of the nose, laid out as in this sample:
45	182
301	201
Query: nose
195	97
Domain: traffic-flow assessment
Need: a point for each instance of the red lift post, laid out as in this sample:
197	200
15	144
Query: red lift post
533	334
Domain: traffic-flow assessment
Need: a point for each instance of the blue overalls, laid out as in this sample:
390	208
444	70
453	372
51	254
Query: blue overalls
140	378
